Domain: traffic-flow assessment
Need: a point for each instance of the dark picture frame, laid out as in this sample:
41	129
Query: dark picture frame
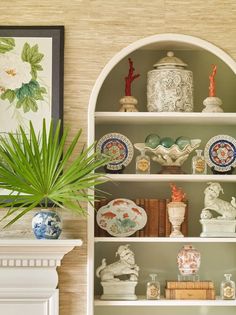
41	49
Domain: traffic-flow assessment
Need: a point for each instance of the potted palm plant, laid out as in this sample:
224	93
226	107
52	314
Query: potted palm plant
38	170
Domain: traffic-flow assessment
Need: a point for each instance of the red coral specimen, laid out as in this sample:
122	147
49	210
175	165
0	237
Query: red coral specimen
130	78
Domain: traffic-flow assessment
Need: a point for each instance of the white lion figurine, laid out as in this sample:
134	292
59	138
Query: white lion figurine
227	210
124	266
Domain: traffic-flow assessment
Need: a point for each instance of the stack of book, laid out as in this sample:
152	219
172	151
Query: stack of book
190	290
158	224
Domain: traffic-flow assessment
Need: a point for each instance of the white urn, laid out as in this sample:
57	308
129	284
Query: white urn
170	86
176	213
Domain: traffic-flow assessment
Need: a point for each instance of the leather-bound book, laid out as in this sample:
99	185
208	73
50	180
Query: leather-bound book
205	284
153	213
190	294
162	218
184	225
168	224
143	204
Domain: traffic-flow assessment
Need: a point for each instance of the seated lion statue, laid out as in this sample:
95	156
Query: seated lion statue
227	210
124	266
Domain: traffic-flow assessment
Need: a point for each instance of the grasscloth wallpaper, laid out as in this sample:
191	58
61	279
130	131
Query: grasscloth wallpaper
94	31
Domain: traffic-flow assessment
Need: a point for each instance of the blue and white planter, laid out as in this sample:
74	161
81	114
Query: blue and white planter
46	224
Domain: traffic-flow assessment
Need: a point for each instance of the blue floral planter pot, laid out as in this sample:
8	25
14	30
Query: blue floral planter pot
46	224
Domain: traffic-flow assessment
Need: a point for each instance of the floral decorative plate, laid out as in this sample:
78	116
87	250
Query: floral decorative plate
220	153
118	147
121	217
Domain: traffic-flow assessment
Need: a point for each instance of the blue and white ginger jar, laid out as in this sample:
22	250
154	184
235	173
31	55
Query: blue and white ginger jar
46	224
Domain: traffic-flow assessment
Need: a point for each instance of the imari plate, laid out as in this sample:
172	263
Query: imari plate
220	153
121	217
118	147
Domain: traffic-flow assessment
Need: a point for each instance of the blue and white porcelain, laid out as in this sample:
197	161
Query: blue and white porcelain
119	148
220	154
46	224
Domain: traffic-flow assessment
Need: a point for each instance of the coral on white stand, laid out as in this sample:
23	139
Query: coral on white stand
212	103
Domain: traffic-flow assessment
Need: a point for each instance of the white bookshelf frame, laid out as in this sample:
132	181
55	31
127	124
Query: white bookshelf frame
161	41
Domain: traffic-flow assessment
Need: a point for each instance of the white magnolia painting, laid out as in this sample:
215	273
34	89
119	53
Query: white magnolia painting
25	82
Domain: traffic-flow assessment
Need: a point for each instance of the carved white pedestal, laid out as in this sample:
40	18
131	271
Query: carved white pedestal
28	276
120	290
218	228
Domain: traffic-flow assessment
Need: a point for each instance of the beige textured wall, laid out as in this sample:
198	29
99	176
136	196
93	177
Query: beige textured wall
94	31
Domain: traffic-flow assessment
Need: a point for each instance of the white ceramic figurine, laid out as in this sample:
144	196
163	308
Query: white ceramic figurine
227	210
120	278
220	226
124	266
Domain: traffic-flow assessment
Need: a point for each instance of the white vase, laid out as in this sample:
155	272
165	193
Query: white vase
188	260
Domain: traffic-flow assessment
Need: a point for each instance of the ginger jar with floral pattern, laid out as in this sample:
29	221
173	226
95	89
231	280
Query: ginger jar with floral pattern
188	260
170	86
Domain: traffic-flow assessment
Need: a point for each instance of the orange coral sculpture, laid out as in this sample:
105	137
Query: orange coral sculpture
177	194
212	87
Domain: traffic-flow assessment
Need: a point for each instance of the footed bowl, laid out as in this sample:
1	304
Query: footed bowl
173	156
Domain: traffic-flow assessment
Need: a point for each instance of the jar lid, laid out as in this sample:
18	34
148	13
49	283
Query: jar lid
170	60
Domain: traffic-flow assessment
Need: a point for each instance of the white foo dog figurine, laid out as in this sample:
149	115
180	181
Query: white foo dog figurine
223	225
114	287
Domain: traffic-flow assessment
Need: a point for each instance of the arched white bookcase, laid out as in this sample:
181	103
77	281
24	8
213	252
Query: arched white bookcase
158	254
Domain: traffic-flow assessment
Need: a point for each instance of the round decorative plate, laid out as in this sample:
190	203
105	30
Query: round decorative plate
121	217
220	153
118	147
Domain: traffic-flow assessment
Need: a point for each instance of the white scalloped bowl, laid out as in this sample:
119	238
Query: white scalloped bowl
173	156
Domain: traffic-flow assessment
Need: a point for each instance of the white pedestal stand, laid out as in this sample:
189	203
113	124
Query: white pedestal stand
218	228
212	104
128	104
120	290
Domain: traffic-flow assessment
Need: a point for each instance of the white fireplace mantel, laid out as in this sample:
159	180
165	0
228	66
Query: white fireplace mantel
28	275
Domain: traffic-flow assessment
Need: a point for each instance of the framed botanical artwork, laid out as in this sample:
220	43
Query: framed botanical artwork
31	75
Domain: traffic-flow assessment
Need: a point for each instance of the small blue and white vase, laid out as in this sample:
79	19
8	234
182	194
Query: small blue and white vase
46	224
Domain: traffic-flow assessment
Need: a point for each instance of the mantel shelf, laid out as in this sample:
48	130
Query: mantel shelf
171	177
34	253
163	302
165	118
165	240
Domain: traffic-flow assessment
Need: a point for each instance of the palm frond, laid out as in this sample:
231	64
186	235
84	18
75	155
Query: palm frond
38	170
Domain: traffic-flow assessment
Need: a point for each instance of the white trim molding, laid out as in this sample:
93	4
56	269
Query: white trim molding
28	275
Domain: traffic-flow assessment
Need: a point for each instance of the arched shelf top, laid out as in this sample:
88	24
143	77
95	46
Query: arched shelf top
158	42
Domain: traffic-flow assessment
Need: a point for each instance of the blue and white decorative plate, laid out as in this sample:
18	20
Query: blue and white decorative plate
220	153
118	147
